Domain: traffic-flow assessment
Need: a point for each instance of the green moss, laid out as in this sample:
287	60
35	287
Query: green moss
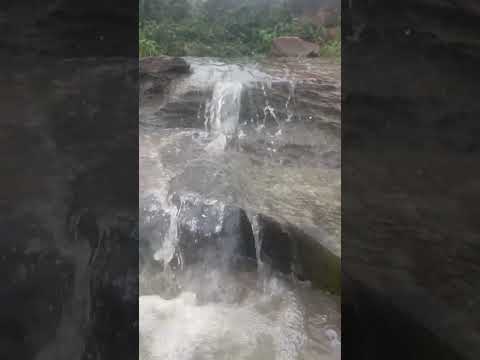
321	266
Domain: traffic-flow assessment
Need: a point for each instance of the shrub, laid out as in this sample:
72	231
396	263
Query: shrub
177	29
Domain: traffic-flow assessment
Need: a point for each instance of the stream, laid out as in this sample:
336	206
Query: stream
223	148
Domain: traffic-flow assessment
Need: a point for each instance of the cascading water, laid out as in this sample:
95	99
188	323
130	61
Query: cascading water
224	108
206	291
222	115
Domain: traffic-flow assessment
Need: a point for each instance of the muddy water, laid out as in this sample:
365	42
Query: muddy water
262	137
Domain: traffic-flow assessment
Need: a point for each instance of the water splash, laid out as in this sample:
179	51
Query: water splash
223	110
166	252
290	100
268	109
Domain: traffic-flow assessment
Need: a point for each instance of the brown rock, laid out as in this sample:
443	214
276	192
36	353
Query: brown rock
157	65
156	72
292	46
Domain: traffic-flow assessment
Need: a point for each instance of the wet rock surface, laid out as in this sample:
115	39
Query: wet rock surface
205	230
210	232
220	147
289	123
156	73
200	234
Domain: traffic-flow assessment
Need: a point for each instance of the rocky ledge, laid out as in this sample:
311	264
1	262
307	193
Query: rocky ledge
213	233
157	72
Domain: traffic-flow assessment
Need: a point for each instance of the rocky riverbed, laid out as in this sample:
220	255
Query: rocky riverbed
240	209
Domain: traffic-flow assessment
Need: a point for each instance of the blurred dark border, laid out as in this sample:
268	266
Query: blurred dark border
410	179
69	179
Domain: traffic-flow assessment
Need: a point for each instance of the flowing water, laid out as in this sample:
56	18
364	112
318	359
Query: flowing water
263	137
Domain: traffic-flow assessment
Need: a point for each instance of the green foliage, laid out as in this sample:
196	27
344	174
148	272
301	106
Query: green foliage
147	46
221	28
333	46
331	49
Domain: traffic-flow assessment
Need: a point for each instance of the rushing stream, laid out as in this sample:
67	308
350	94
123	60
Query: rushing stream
224	144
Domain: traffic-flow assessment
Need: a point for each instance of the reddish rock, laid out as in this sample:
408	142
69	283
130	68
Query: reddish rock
292	46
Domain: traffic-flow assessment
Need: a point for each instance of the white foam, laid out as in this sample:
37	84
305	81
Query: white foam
223	110
266	324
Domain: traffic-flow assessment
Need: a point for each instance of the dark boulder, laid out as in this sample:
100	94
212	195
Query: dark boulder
206	232
218	235
214	233
290	250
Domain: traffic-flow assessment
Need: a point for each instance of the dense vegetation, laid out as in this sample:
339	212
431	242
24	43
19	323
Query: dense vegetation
224	28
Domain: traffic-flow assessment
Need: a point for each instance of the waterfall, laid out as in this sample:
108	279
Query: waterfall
223	113
167	250
290	101
229	145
